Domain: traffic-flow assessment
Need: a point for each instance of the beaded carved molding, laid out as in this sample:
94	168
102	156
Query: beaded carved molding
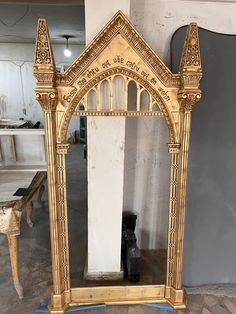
117	55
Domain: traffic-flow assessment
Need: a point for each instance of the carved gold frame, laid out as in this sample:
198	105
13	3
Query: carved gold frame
59	95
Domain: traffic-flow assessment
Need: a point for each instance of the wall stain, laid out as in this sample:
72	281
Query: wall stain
3	105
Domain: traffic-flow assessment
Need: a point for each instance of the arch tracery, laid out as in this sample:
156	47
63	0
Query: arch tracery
71	103
117	50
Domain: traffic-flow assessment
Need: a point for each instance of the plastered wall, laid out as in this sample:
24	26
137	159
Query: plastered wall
209	254
157	20
17	83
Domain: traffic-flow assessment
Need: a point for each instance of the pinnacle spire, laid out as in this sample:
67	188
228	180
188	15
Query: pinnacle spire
43	50
191	59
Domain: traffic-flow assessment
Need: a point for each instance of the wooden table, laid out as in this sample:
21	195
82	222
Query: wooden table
11	208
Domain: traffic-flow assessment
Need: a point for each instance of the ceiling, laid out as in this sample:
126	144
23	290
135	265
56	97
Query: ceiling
18	21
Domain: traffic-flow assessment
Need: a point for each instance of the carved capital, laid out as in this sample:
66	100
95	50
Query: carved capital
174	148
190	79
44	77
62	148
47	99
188	99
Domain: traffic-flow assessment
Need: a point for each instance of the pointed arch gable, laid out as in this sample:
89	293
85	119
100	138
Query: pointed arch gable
119	24
118	48
117	40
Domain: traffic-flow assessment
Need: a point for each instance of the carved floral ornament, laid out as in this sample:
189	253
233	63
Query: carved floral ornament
188	100
48	100
117	50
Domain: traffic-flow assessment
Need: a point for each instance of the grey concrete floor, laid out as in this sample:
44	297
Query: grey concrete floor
35	259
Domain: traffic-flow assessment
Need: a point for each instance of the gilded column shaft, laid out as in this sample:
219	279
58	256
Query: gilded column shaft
49	118
174	151
63	216
183	165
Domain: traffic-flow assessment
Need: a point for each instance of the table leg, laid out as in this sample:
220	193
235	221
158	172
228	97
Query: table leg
40	193
13	243
29	209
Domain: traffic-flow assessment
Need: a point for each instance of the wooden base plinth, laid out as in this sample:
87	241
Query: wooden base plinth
118	295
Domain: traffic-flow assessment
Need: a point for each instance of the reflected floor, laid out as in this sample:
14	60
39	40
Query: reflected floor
152	272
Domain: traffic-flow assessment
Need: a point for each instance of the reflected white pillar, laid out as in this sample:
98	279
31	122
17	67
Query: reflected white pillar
106	137
105	190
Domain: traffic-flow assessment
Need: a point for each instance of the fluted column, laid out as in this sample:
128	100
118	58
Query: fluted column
178	181
173	204
55	154
49	119
58	215
182	189
63	216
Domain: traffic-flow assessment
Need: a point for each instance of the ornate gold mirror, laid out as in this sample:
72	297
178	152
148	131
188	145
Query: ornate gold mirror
117	51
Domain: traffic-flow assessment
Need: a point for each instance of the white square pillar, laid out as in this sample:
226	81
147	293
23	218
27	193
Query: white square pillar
106	138
105	190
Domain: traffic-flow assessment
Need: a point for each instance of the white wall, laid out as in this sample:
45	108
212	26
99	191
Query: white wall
17	83
96	19
157	20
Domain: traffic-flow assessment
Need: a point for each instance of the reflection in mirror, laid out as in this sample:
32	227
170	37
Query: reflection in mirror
76	177
92	100
147	200
105	95
144	101
155	107
132	96
146	179
81	107
146	191
118	93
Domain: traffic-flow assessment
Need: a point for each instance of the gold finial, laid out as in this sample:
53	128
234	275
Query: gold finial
44	68
191	53
190	70
43	50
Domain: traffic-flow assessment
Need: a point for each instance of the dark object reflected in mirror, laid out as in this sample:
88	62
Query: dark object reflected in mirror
130	252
